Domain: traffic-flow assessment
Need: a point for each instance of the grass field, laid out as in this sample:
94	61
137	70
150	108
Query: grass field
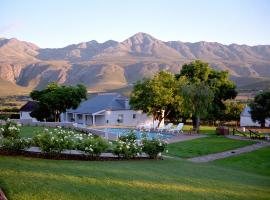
27	179
256	162
204	146
203	129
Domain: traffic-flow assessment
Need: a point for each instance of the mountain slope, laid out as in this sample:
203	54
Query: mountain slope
113	65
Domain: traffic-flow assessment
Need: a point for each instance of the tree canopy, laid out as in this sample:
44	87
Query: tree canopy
218	81
197	99
54	100
260	107
157	95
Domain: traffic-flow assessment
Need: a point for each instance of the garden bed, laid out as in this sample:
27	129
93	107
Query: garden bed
68	156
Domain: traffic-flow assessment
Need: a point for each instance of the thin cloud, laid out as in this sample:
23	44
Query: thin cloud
10	27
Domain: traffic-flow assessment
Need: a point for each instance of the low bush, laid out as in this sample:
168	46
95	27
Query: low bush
15	144
93	146
57	140
153	147
10	130
127	146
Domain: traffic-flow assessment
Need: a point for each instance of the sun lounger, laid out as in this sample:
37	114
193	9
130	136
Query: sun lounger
178	129
166	127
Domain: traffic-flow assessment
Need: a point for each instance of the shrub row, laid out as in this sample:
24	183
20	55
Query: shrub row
55	141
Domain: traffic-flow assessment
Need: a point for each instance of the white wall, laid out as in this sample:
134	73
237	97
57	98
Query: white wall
247	121
26	115
128	119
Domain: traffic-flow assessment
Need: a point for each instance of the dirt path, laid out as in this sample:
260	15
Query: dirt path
225	154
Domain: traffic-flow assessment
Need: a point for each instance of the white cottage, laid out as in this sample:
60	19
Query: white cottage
245	119
26	109
106	109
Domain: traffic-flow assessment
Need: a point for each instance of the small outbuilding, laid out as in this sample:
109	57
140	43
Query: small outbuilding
26	109
245	119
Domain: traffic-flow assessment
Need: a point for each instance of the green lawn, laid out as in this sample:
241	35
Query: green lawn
27	179
203	129
257	162
204	146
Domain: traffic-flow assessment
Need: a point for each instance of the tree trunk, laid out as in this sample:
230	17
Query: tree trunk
197	124
263	124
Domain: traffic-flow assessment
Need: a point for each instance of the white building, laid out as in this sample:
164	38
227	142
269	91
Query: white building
106	109
26	109
245	119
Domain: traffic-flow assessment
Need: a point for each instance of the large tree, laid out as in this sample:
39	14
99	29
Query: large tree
157	96
218	81
260	108
54	100
197	99
233	111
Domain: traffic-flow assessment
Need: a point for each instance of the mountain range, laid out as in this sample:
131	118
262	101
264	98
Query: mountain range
112	65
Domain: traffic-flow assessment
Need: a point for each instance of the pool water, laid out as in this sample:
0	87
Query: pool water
150	135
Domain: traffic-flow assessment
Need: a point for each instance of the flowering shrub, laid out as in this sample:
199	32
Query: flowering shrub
93	146
15	144
10	129
153	147
57	140
127	146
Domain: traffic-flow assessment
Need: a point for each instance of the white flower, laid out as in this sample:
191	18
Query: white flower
167	151
91	149
2	129
160	144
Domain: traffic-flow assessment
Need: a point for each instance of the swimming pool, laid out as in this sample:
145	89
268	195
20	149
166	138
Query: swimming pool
124	131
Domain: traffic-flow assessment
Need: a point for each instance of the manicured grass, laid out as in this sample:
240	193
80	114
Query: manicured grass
256	162
203	129
27	179
204	146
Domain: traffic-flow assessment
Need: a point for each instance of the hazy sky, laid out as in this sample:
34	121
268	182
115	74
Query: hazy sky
56	23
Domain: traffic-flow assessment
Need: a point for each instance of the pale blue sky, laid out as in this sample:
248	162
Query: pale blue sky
56	23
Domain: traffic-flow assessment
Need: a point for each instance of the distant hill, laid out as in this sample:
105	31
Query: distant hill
114	65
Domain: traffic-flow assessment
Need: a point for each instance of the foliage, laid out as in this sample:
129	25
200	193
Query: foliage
260	107
57	140
153	96
153	147
10	130
218	81
15	144
127	146
93	146
55	99
233	111
197	100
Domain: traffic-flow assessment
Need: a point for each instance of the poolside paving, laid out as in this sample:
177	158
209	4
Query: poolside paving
225	154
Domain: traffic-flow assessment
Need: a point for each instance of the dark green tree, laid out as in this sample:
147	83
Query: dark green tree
233	111
54	100
218	81
197	99
260	107
157	96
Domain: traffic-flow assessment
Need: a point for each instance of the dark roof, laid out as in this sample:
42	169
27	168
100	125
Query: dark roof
104	101
29	106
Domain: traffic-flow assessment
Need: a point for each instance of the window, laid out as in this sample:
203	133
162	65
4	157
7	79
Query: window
134	116
120	118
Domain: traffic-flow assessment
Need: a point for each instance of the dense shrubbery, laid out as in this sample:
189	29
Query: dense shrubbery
57	140
93	146
127	146
15	144
10	129
153	147
10	138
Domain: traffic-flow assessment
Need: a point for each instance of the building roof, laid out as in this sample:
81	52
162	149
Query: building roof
246	112
104	101
29	106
